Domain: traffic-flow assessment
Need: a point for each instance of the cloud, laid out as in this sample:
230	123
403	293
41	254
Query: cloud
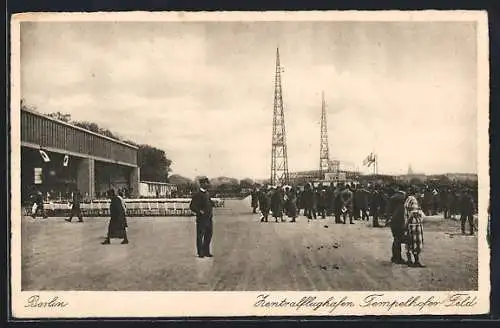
204	92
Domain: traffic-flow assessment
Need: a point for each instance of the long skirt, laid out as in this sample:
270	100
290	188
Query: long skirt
277	211
414	236
116	227
291	210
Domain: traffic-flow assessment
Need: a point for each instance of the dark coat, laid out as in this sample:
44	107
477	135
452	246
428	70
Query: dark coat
361	198
202	206
346	196
264	201
118	222
397	209
337	199
330	195
255	199
322	199
291	205
377	200
467	204
39	200
277	203
308	199
77	199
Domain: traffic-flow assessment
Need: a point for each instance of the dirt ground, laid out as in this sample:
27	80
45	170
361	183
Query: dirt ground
248	255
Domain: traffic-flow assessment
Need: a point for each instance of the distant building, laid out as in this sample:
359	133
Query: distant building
412	176
317	176
410	170
58	157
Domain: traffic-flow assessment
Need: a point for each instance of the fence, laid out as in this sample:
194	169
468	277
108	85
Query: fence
135	207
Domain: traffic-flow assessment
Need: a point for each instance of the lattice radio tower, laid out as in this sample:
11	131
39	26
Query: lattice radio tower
279	161
324	156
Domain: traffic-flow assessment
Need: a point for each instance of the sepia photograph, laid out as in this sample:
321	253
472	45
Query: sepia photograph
228	164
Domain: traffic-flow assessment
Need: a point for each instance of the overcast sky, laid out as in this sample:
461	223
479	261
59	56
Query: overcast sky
203	92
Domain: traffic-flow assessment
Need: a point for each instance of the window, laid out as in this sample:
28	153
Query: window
38	175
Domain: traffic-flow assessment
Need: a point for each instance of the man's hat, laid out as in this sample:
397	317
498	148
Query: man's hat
203	180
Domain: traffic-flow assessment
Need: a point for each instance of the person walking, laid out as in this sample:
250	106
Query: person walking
75	206
467	211
202	206
117	227
38	206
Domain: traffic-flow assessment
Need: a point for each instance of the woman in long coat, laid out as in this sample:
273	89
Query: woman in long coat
117	227
264	203
308	202
414	229
291	203
277	204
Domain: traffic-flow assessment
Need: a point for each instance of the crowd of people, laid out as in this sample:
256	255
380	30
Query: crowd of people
400	206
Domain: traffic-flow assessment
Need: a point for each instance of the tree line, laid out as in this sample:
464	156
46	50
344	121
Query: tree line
153	162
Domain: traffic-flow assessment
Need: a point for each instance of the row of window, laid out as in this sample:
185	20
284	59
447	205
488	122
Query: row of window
48	133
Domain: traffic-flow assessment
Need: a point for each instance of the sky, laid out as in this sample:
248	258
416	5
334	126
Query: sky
203	91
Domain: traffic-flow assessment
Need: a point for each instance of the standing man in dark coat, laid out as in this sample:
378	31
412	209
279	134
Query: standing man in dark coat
291	203
75	206
255	200
444	195
377	205
337	203
347	200
361	199
397	221
467	211
330	195
322	203
355	202
427	201
299	200
451	204
117	227
277	204
308	202
38	206
264	203
202	206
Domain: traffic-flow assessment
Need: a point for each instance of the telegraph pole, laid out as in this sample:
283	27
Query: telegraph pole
279	159
324	156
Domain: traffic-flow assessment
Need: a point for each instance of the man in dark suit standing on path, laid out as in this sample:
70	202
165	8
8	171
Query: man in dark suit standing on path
201	204
397	217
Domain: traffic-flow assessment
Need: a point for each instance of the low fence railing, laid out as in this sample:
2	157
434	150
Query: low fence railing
135	207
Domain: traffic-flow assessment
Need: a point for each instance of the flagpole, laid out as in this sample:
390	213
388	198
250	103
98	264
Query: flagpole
375	156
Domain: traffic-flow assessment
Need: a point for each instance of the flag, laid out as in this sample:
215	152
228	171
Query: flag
369	160
66	160
44	155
